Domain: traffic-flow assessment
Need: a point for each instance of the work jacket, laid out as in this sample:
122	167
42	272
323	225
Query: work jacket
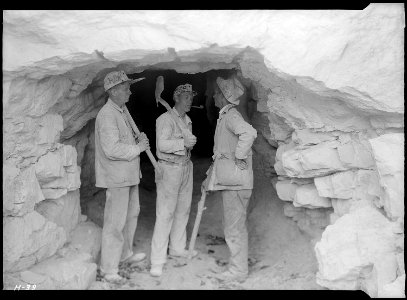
169	138
234	138
117	156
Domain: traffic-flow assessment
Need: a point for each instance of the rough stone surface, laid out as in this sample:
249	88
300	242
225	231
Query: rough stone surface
307	196
21	190
87	238
67	270
29	239
355	252
388	151
339	48
64	211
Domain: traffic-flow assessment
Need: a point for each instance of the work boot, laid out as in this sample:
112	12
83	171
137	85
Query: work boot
156	270
114	278
228	276
184	253
135	258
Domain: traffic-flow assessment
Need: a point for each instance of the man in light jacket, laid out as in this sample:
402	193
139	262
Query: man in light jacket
232	173
174	190
117	168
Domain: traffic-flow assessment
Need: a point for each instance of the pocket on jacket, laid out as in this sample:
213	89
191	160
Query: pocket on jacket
228	174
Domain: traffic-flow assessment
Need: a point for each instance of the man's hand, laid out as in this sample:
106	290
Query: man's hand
241	163
189	140
142	136
144	145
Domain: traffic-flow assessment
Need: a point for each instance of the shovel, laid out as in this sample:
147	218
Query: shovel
158	171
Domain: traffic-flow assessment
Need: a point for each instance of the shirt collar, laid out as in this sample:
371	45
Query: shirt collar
186	118
225	108
114	105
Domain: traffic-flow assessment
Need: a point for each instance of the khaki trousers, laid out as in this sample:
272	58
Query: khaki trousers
235	205
174	196
120	222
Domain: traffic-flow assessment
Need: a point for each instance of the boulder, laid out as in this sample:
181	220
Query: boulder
69	270
312	161
29	239
307	196
388	152
309	137
87	238
64	211
286	190
352	252
395	289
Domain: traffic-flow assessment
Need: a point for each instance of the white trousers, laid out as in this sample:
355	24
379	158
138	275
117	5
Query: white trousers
235	205
120	222
174	196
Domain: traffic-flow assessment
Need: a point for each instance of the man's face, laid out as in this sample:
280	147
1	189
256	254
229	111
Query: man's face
122	93
218	97
185	101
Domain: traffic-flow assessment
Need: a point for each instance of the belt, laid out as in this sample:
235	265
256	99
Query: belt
183	163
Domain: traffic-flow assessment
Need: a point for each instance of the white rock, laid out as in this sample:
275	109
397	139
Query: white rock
307	196
21	191
318	160
53	193
388	152
286	190
49	167
356	154
64	211
352	248
309	137
50	128
87	237
395	289
29	239
74	270
290	210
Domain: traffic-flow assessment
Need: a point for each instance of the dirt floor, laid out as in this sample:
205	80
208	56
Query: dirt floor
280	256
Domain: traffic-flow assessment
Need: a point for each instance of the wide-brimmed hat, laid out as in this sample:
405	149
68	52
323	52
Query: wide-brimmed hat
184	88
231	89
117	77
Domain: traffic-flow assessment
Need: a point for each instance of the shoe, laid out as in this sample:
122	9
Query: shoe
114	278
228	276
184	253
156	270
135	258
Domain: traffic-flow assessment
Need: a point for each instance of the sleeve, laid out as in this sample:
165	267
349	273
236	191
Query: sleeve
110	141
246	133
165	142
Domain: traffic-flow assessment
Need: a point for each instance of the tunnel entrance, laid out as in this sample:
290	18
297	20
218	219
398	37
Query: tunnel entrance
273	238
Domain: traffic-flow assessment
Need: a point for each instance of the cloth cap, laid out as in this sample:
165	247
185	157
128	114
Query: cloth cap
117	77
184	88
232	89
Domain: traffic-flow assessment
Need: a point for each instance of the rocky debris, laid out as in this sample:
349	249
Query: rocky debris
64	211
358	251
67	270
28	240
21	190
87	238
388	152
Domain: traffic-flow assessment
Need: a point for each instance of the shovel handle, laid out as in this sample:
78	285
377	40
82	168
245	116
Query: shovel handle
134	127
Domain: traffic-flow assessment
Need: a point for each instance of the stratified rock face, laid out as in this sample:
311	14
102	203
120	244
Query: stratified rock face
358	251
388	151
29	239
